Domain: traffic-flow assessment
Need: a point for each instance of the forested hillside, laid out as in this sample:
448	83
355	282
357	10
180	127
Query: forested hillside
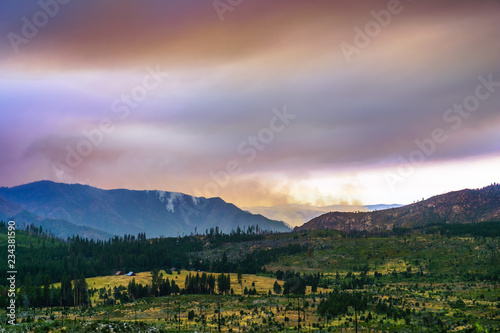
121	211
465	206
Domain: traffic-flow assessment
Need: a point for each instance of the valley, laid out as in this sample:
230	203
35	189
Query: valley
430	280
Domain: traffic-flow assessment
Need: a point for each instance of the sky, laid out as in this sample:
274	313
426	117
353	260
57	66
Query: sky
261	103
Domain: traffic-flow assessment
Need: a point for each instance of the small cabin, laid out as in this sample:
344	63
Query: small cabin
131	274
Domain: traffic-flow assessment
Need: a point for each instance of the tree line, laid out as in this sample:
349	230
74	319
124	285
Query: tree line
72	292
199	284
40	254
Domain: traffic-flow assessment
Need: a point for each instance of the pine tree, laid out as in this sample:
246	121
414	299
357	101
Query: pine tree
277	288
240	275
66	291
83	291
46	291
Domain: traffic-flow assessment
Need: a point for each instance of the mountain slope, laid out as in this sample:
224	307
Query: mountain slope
298	214
466	206
8	209
60	228
121	211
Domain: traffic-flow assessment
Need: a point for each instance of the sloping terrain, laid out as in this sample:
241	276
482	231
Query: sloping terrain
465	206
58	227
121	211
298	214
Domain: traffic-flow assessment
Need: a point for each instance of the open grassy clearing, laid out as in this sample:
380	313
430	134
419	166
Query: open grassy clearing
263	313
261	283
267	314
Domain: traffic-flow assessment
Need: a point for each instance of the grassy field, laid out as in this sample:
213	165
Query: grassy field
435	284
261	283
272	314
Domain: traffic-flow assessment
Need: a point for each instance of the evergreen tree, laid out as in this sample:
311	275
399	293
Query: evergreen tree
66	291
277	288
240	275
224	283
46	291
83	293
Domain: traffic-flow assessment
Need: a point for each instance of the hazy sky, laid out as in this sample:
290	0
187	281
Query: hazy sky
259	102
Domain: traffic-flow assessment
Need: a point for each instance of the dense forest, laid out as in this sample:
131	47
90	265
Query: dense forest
40	254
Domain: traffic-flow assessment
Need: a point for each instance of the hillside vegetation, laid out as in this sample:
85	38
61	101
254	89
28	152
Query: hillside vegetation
466	206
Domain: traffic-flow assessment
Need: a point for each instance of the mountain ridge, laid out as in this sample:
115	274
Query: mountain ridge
122	211
464	206
298	214
59	227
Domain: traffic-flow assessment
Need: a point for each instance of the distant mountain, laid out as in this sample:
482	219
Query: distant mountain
121	211
466	206
60	228
372	208
297	214
8	209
